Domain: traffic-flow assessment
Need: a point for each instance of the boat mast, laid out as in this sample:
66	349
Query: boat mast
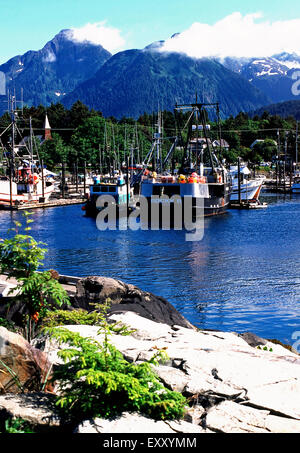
203	118
12	104
107	159
137	143
31	143
158	136
297	126
219	129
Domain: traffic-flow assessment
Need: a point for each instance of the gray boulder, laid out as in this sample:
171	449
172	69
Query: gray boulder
126	298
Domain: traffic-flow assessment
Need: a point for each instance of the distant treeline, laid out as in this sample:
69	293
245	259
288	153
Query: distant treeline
82	135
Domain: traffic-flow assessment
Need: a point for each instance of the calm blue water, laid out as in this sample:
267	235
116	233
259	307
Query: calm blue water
243	276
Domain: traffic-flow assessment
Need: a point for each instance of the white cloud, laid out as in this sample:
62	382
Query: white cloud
237	36
49	58
100	34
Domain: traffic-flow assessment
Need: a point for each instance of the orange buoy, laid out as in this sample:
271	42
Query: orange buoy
193	178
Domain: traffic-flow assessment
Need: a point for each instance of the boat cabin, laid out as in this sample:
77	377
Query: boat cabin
116	187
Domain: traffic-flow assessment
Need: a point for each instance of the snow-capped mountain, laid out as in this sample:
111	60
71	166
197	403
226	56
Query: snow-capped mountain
276	76
292	61
134	81
47	75
264	67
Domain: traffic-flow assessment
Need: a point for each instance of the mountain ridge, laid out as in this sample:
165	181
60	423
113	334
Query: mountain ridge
135	81
275	76
51	72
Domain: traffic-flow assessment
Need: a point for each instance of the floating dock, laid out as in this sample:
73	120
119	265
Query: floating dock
247	205
42	205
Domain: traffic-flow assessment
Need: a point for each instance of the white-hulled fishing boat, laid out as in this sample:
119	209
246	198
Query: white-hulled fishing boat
250	188
23	179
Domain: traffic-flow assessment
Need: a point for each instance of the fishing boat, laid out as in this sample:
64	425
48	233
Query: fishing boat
249	187
23	180
26	187
105	189
201	177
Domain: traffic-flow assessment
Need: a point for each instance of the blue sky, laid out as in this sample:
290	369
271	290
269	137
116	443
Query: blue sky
29	24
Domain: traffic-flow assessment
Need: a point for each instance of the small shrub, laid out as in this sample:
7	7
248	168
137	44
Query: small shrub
71	318
96	381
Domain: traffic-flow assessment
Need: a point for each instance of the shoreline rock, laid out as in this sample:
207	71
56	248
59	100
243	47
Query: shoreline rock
235	383
126	298
232	387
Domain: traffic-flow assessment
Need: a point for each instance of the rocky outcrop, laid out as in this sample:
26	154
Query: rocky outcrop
22	367
96	290
126	298
233	383
230	385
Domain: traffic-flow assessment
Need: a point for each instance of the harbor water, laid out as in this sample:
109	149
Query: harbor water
243	276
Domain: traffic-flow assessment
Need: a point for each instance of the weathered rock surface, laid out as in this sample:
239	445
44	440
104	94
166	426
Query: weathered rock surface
229	417
135	424
35	408
231	386
21	365
126	298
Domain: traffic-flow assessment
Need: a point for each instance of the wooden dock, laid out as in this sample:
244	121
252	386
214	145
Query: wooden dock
247	205
43	205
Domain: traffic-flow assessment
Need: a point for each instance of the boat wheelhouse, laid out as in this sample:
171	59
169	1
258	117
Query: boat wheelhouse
110	188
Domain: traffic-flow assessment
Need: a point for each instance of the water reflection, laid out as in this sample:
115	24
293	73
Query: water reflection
244	274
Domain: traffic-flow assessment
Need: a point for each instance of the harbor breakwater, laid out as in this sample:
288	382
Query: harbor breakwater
235	383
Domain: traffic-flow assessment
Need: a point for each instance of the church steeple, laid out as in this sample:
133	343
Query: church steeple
47	128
